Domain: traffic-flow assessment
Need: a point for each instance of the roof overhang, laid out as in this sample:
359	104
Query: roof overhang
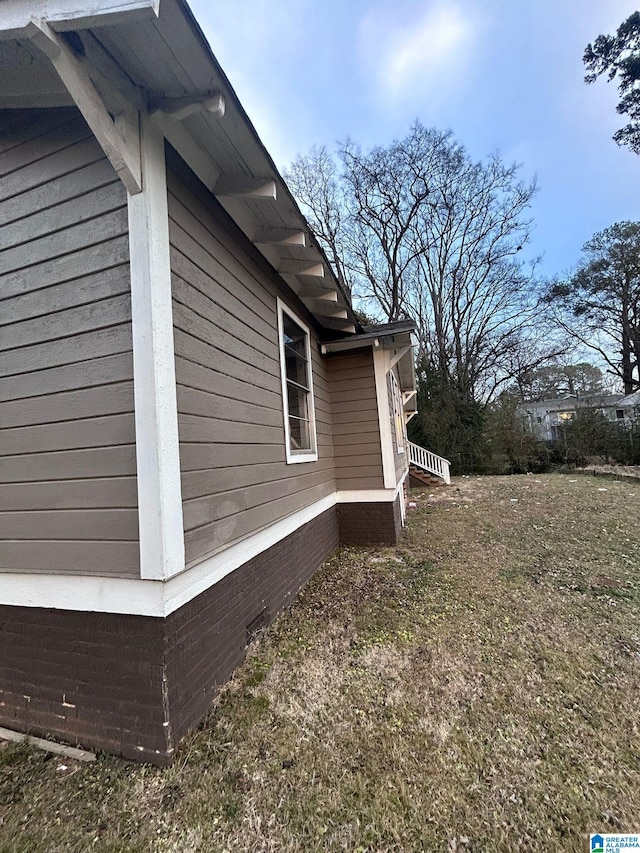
115	58
398	339
65	15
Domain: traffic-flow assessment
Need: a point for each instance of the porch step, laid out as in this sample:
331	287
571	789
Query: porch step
419	478
427	468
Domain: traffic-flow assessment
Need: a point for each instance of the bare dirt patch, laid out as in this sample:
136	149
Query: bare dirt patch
475	688
622	472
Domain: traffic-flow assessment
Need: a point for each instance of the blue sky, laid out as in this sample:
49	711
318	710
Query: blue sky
501	74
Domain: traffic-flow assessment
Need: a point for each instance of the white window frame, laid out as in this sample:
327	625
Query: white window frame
398	414
296	456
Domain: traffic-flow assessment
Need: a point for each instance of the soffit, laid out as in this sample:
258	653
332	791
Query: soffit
167	58
397	338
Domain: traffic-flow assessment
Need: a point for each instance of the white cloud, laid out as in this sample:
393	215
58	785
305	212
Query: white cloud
432	50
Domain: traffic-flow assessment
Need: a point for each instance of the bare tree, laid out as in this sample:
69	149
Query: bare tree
478	299
315	181
421	230
387	191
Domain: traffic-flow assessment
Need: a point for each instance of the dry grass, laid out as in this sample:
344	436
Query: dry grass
475	689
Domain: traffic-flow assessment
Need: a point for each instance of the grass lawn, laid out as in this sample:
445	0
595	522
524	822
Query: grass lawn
476	688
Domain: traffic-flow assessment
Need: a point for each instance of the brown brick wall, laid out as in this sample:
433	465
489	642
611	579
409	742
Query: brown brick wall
89	678
134	685
369	523
206	639
109	681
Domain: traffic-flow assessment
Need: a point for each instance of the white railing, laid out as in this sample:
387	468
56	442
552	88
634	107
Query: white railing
428	461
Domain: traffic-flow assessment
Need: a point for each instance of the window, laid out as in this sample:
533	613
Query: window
297	387
620	414
398	412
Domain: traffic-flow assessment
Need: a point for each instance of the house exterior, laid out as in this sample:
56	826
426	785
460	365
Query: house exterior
629	406
545	419
191	417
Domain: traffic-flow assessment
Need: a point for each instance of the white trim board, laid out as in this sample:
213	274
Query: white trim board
191	583
118	137
161	598
362	496
310	455
381	368
160	517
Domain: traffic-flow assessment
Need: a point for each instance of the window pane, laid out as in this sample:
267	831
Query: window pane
295	338
299	434
296	367
297	400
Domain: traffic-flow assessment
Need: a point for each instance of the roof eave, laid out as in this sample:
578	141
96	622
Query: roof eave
171	26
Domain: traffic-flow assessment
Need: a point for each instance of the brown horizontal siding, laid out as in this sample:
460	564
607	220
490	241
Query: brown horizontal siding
118	492
368	445
224	385
69	465
68	491
91	202
230	418
105	284
84	403
360	482
94	432
194	401
58	190
202	351
351	428
45	158
88	346
116	524
240	523
57	245
360	470
89	557
356	431
17	131
200	510
68	377
90	259
197	483
356	400
63	324
210	459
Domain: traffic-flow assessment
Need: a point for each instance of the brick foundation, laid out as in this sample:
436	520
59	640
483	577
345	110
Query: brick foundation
134	685
370	523
207	638
90	678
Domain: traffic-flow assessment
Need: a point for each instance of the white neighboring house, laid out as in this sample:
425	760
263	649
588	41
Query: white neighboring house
546	418
630	406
